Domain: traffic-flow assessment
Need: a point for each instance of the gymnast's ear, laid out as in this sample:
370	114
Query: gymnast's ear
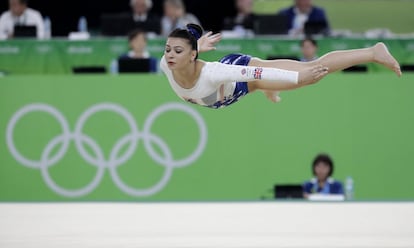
193	55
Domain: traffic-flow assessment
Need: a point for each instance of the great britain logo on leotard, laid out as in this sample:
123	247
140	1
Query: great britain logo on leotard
258	73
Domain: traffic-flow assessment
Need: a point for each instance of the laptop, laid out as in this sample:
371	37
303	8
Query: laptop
88	69
356	68
130	65
407	67
273	57
288	191
271	24
24	31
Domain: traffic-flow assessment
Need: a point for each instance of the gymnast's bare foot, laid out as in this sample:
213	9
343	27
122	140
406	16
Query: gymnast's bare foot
272	95
384	57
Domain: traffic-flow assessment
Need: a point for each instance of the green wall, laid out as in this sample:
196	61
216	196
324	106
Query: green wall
364	121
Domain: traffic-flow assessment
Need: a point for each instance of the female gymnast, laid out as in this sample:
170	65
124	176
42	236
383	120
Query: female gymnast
219	84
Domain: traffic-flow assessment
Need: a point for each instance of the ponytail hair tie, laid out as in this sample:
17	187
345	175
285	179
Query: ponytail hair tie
194	32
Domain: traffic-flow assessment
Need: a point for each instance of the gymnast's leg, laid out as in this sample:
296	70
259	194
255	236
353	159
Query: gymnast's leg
334	61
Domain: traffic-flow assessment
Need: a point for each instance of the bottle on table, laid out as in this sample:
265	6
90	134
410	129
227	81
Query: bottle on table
349	188
82	25
113	67
48	28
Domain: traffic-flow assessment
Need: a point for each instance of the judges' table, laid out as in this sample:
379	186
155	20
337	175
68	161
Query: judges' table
60	55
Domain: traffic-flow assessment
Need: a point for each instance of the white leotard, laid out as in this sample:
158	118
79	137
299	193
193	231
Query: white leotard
217	81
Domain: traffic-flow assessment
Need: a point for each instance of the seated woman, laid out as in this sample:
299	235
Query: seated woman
137	41
322	183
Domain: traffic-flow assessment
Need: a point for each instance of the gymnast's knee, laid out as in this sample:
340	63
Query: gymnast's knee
251	87
254	61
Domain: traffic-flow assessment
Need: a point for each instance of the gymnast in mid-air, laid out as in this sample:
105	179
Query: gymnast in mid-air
219	84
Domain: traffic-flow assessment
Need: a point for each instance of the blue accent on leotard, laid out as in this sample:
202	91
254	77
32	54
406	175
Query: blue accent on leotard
241	87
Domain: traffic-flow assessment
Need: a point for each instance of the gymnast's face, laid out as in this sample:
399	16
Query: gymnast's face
178	53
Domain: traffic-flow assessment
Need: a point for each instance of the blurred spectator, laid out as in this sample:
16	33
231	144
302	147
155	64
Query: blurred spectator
304	11
137	41
175	16
19	14
322	183
143	18
309	49
244	17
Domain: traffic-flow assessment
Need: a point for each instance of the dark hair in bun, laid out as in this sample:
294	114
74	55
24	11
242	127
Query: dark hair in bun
192	32
195	30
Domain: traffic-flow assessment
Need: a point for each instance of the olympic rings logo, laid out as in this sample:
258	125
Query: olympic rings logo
114	160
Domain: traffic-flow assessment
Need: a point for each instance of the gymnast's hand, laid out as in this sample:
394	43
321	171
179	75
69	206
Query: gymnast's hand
312	74
208	41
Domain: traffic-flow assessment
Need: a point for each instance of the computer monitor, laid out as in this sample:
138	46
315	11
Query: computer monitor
288	191
24	31
116	24
316	27
271	24
131	65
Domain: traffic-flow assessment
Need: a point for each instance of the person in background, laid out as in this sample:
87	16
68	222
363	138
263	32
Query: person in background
301	12
309	49
137	41
143	18
322	183
175	16
244	18
19	14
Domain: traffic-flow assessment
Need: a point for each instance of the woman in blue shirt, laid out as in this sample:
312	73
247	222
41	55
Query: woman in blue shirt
322	183
137	40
